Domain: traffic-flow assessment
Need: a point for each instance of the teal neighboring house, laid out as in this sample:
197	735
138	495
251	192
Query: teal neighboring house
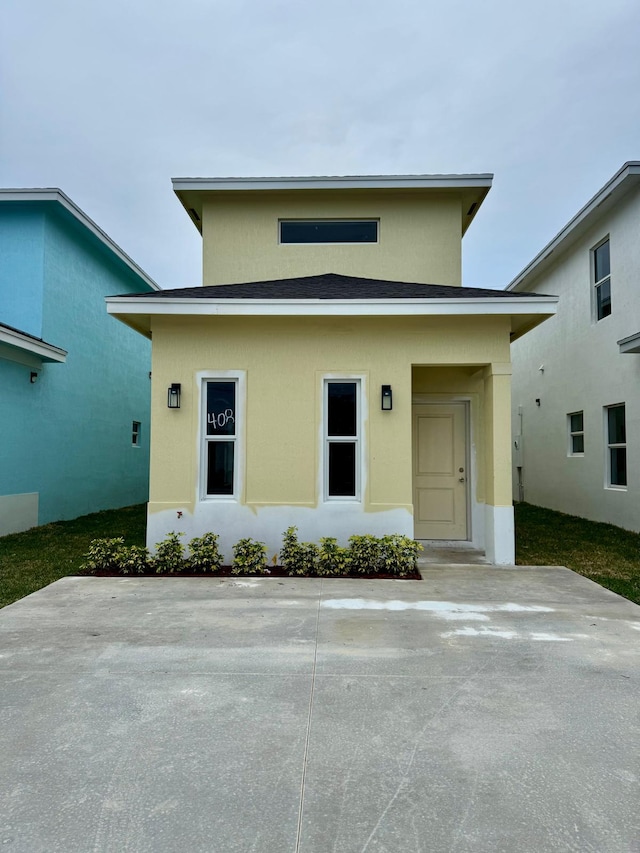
74	385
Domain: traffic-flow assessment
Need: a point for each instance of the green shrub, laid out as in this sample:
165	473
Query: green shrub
205	556
332	558
133	560
365	553
169	556
289	553
298	558
249	558
103	555
399	555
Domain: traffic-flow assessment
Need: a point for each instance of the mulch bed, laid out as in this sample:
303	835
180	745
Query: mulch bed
273	572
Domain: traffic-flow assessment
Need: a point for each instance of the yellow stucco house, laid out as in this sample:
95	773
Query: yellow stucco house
331	372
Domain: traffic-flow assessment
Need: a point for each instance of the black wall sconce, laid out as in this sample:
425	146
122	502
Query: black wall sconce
34	377
173	397
387	398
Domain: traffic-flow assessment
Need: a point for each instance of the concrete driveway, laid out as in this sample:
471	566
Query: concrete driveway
481	709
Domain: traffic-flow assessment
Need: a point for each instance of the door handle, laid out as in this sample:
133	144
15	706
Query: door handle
461	479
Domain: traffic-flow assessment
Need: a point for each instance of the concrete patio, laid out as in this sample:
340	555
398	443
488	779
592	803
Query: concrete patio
481	709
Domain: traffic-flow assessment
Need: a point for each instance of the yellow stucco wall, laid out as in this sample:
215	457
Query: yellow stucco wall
285	360
419	236
497	425
459	383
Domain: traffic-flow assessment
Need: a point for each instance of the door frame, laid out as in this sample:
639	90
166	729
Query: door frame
422	399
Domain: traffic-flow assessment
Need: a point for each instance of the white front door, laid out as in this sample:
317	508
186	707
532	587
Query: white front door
439	471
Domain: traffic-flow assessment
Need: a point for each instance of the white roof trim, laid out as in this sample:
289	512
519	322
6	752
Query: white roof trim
19	340
336	182
54	194
331	307
629	170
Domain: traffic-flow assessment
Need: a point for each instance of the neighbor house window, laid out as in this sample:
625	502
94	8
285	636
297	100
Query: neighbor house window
576	434
342	439
616	446
135	433
220	436
602	280
329	231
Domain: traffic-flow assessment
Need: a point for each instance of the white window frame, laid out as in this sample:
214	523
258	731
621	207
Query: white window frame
598	283
327	439
136	433
332	219
575	433
238	378
612	445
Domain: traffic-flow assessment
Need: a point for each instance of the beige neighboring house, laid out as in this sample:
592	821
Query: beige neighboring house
331	372
576	379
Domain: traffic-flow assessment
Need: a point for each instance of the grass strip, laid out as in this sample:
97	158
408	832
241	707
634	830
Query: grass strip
37	557
603	553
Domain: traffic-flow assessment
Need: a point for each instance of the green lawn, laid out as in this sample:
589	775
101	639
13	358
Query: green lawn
37	557
606	554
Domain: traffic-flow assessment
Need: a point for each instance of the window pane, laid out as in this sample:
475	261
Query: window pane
342	408
601	261
603	297
618	466
342	469
617	432
221	408
328	232
577	422
220	467
577	444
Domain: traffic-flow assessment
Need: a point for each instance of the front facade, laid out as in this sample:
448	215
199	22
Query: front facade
74	413
576	409
323	381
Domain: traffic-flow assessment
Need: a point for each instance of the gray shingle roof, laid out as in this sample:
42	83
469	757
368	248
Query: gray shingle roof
331	286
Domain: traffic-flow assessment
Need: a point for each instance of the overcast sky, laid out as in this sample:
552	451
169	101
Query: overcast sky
110	100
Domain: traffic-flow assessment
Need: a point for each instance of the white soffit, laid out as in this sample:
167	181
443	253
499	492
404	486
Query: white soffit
336	182
525	313
630	344
35	346
622	182
471	187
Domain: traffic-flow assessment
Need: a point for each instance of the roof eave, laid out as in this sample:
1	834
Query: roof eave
54	194
17	341
524	313
473	186
620	184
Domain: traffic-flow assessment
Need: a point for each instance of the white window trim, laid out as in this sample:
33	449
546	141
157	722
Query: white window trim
239	377
331	219
596	284
571	433
608	446
359	382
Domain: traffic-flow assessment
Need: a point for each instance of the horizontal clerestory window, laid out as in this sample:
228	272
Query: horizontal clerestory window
329	231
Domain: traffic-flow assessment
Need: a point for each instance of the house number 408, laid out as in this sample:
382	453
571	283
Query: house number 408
221	420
